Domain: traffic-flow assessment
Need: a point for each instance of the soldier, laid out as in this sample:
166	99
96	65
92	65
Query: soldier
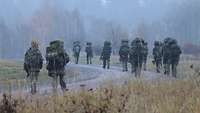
145	55
57	59
175	56
136	56
123	53
76	50
89	52
166	56
106	53
33	64
157	54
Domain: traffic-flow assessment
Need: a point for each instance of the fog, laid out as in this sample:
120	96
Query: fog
95	20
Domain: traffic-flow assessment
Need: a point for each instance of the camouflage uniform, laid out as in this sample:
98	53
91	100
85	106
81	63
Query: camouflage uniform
76	50
32	65
89	53
123	53
157	54
166	56
145	55
136	56
106	53
175	56
57	58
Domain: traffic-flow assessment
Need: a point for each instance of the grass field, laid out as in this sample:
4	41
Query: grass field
136	96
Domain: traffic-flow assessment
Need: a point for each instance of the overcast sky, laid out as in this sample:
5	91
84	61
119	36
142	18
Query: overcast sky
123	11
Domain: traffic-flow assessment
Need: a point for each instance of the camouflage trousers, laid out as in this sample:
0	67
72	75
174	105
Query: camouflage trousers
33	80
106	62
174	70
158	66
137	69
89	59
167	69
125	66
76	56
145	64
55	76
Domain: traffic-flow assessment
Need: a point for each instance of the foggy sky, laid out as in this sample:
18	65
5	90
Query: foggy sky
127	12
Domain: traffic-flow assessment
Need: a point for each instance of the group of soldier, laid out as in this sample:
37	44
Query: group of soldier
166	53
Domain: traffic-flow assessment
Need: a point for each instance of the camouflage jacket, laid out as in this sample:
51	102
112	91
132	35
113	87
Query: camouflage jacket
106	52
124	53
157	53
33	60
136	54
89	51
175	53
76	50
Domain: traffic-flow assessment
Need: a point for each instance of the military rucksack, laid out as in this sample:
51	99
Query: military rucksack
56	56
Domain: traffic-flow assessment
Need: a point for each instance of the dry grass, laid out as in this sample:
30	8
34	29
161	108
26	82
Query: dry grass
138	96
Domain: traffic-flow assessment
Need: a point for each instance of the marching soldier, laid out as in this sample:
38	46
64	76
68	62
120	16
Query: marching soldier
123	53
175	56
146	50
89	53
157	54
166	56
136	56
106	53
33	64
57	59
76	50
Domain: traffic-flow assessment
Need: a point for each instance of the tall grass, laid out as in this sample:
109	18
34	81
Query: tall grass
137	96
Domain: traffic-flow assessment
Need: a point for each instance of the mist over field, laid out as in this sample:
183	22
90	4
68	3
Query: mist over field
95	20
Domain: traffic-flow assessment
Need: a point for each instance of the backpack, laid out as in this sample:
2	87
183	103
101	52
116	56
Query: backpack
56	56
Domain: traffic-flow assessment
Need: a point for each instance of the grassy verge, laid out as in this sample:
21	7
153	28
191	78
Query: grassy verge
137	96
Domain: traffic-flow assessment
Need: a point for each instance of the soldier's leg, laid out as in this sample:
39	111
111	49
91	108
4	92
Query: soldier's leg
168	69
55	82
126	66
90	60
123	67
78	58
87	59
139	69
157	66
35	82
145	64
62	82
31	81
132	68
108	64
104	63
174	70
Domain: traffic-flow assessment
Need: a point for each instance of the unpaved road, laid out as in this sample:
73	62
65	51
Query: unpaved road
92	77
